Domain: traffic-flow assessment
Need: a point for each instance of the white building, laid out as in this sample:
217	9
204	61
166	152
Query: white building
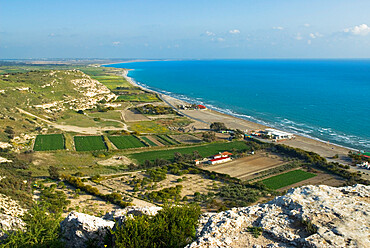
278	135
220	158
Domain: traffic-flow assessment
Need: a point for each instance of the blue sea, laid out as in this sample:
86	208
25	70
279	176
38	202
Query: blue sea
323	99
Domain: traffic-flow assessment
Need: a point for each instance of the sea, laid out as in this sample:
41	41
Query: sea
327	100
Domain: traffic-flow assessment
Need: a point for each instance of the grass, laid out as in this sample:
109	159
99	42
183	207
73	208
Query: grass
286	179
125	142
144	97
69	163
89	143
151	143
49	142
112	114
204	151
112	81
148	127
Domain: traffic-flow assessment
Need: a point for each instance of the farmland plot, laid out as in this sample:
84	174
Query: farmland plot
186	138
288	178
49	142
89	143
126	141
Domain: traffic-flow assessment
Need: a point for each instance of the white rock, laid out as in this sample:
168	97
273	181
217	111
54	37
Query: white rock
78	228
341	216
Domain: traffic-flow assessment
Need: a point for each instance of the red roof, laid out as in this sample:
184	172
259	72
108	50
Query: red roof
227	153
216	159
201	106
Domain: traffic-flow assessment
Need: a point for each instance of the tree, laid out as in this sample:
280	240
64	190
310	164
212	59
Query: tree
54	172
238	134
218	126
178	157
196	155
209	136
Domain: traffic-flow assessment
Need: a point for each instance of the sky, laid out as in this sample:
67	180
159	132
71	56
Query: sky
191	29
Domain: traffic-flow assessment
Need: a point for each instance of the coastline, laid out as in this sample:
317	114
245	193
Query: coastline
202	119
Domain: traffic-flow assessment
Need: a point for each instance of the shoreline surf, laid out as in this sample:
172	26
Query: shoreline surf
254	88
302	141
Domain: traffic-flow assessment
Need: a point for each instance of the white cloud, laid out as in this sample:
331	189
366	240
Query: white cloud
278	28
306	25
309	42
209	33
315	35
116	43
219	39
362	29
298	37
234	31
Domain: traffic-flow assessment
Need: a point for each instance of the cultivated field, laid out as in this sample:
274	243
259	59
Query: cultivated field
245	168
125	142
49	142
186	139
149	127
144	97
204	151
89	143
132	116
149	141
166	140
288	178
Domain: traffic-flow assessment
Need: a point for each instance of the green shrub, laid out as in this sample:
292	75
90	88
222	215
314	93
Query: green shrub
255	231
171	227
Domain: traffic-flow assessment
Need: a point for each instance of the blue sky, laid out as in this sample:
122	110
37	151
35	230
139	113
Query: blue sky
185	29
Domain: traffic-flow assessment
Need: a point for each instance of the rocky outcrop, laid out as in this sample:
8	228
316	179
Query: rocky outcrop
131	210
9	223
309	216
10	211
78	229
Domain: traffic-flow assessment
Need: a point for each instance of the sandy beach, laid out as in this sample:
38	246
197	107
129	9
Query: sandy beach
203	118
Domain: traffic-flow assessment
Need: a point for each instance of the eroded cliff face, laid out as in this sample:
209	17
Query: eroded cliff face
309	216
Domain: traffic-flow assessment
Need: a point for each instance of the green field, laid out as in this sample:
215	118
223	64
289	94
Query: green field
151	143
126	141
166	140
204	151
89	143
286	179
148	127
49	142
144	97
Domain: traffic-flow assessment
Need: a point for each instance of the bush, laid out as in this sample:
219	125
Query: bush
54	173
171	227
218	126
255	231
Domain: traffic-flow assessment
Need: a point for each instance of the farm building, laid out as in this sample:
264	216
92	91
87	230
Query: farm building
278	135
220	158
